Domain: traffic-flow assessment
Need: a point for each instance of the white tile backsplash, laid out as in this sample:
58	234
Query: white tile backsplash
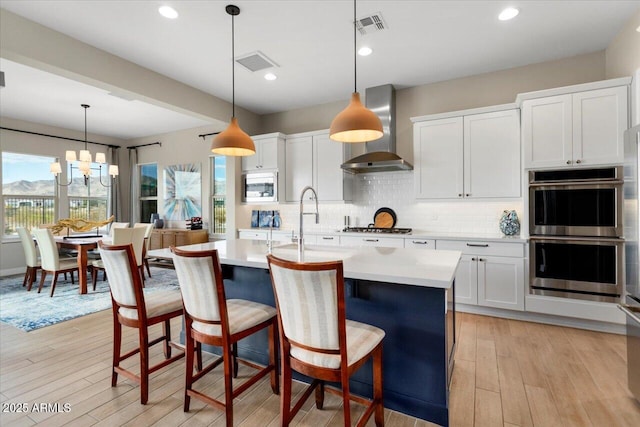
395	190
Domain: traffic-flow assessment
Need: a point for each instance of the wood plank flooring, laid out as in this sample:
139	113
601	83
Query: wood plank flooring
507	373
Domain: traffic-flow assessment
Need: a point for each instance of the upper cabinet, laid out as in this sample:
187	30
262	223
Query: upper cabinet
574	129
468	154
313	159
269	153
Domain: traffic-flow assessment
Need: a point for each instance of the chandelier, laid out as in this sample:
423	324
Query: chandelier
84	158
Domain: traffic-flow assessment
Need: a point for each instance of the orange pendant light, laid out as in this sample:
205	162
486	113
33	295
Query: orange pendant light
233	141
356	123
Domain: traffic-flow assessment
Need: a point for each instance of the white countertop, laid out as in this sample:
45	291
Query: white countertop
406	266
415	233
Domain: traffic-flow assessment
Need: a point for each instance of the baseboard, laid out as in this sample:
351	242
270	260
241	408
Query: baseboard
12	271
592	325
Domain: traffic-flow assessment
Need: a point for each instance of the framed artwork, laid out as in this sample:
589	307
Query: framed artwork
182	191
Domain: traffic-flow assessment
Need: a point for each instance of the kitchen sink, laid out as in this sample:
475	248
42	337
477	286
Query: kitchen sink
312	253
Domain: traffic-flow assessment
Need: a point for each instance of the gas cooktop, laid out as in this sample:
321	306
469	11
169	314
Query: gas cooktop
392	230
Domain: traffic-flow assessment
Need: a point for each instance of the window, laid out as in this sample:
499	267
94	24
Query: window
28	191
148	179
218	195
88	199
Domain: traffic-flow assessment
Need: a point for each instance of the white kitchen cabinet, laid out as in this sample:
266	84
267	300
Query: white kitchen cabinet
253	235
468	156
313	159
417	243
263	234
269	153
327	240
490	274
374	241
575	129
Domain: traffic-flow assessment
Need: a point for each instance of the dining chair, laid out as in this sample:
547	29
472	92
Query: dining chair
318	341
211	319
122	236
115	225
30	255
134	307
147	239
50	260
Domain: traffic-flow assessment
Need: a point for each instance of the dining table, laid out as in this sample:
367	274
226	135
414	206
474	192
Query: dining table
82	245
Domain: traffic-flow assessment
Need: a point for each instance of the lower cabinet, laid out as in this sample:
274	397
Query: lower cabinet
277	235
490	274
163	238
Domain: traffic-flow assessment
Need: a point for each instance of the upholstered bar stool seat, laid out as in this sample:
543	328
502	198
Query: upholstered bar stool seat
156	304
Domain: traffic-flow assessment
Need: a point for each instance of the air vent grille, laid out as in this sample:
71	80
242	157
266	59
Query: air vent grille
371	23
255	61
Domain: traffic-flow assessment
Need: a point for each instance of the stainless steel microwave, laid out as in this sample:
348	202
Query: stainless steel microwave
260	187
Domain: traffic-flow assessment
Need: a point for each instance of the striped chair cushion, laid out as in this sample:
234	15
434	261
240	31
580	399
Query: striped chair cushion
242	315
308	304
116	264
198	287
361	339
157	304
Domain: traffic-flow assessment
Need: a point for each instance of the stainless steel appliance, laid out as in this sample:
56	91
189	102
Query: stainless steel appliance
580	202
631	305
577	267
576	229
260	187
382	230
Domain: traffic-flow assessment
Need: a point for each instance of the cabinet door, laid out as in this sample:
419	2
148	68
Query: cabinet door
183	238
269	153
374	241
168	239
252	163
327	174
155	240
299	166
467	280
253	235
328	240
501	282
492	154
599	121
437	151
547	131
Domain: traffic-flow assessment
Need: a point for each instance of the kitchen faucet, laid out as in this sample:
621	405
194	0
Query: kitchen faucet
301	236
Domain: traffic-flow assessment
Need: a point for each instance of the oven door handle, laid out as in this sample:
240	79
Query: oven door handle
630	311
577	238
560	184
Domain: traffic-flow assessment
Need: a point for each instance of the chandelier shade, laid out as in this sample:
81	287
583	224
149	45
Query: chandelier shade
356	123
84	158
233	141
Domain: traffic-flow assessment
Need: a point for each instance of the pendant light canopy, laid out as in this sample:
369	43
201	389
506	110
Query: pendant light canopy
356	123
233	141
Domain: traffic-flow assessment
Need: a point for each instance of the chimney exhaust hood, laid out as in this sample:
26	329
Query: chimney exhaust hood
381	154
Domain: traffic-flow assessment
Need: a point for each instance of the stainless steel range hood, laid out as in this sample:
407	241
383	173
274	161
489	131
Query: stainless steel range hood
380	154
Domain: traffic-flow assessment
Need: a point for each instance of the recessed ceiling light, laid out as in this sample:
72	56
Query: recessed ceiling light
508	13
270	76
638	29
365	51
168	12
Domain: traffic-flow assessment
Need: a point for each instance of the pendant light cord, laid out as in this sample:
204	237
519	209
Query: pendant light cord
233	68
355	57
85	106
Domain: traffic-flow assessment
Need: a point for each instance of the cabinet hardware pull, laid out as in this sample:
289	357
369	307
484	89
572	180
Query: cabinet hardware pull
481	259
327	238
473	259
418	242
467	195
578	161
370	240
568	162
459	194
477	245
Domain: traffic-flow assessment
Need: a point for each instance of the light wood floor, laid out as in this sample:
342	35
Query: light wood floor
508	373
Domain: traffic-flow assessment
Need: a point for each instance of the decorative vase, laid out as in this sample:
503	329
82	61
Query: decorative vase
509	223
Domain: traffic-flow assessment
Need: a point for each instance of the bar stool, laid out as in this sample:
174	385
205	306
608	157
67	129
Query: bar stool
213	320
317	340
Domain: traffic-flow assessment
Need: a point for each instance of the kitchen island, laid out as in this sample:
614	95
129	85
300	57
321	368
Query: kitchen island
406	292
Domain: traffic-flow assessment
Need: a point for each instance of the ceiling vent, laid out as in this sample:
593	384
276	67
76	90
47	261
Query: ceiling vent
371	23
255	61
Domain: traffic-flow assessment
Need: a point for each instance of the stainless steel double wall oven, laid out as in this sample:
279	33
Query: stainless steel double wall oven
576	229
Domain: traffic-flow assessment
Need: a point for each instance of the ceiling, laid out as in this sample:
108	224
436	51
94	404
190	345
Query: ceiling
310	41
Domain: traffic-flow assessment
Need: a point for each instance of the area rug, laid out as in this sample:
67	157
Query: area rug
30	310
